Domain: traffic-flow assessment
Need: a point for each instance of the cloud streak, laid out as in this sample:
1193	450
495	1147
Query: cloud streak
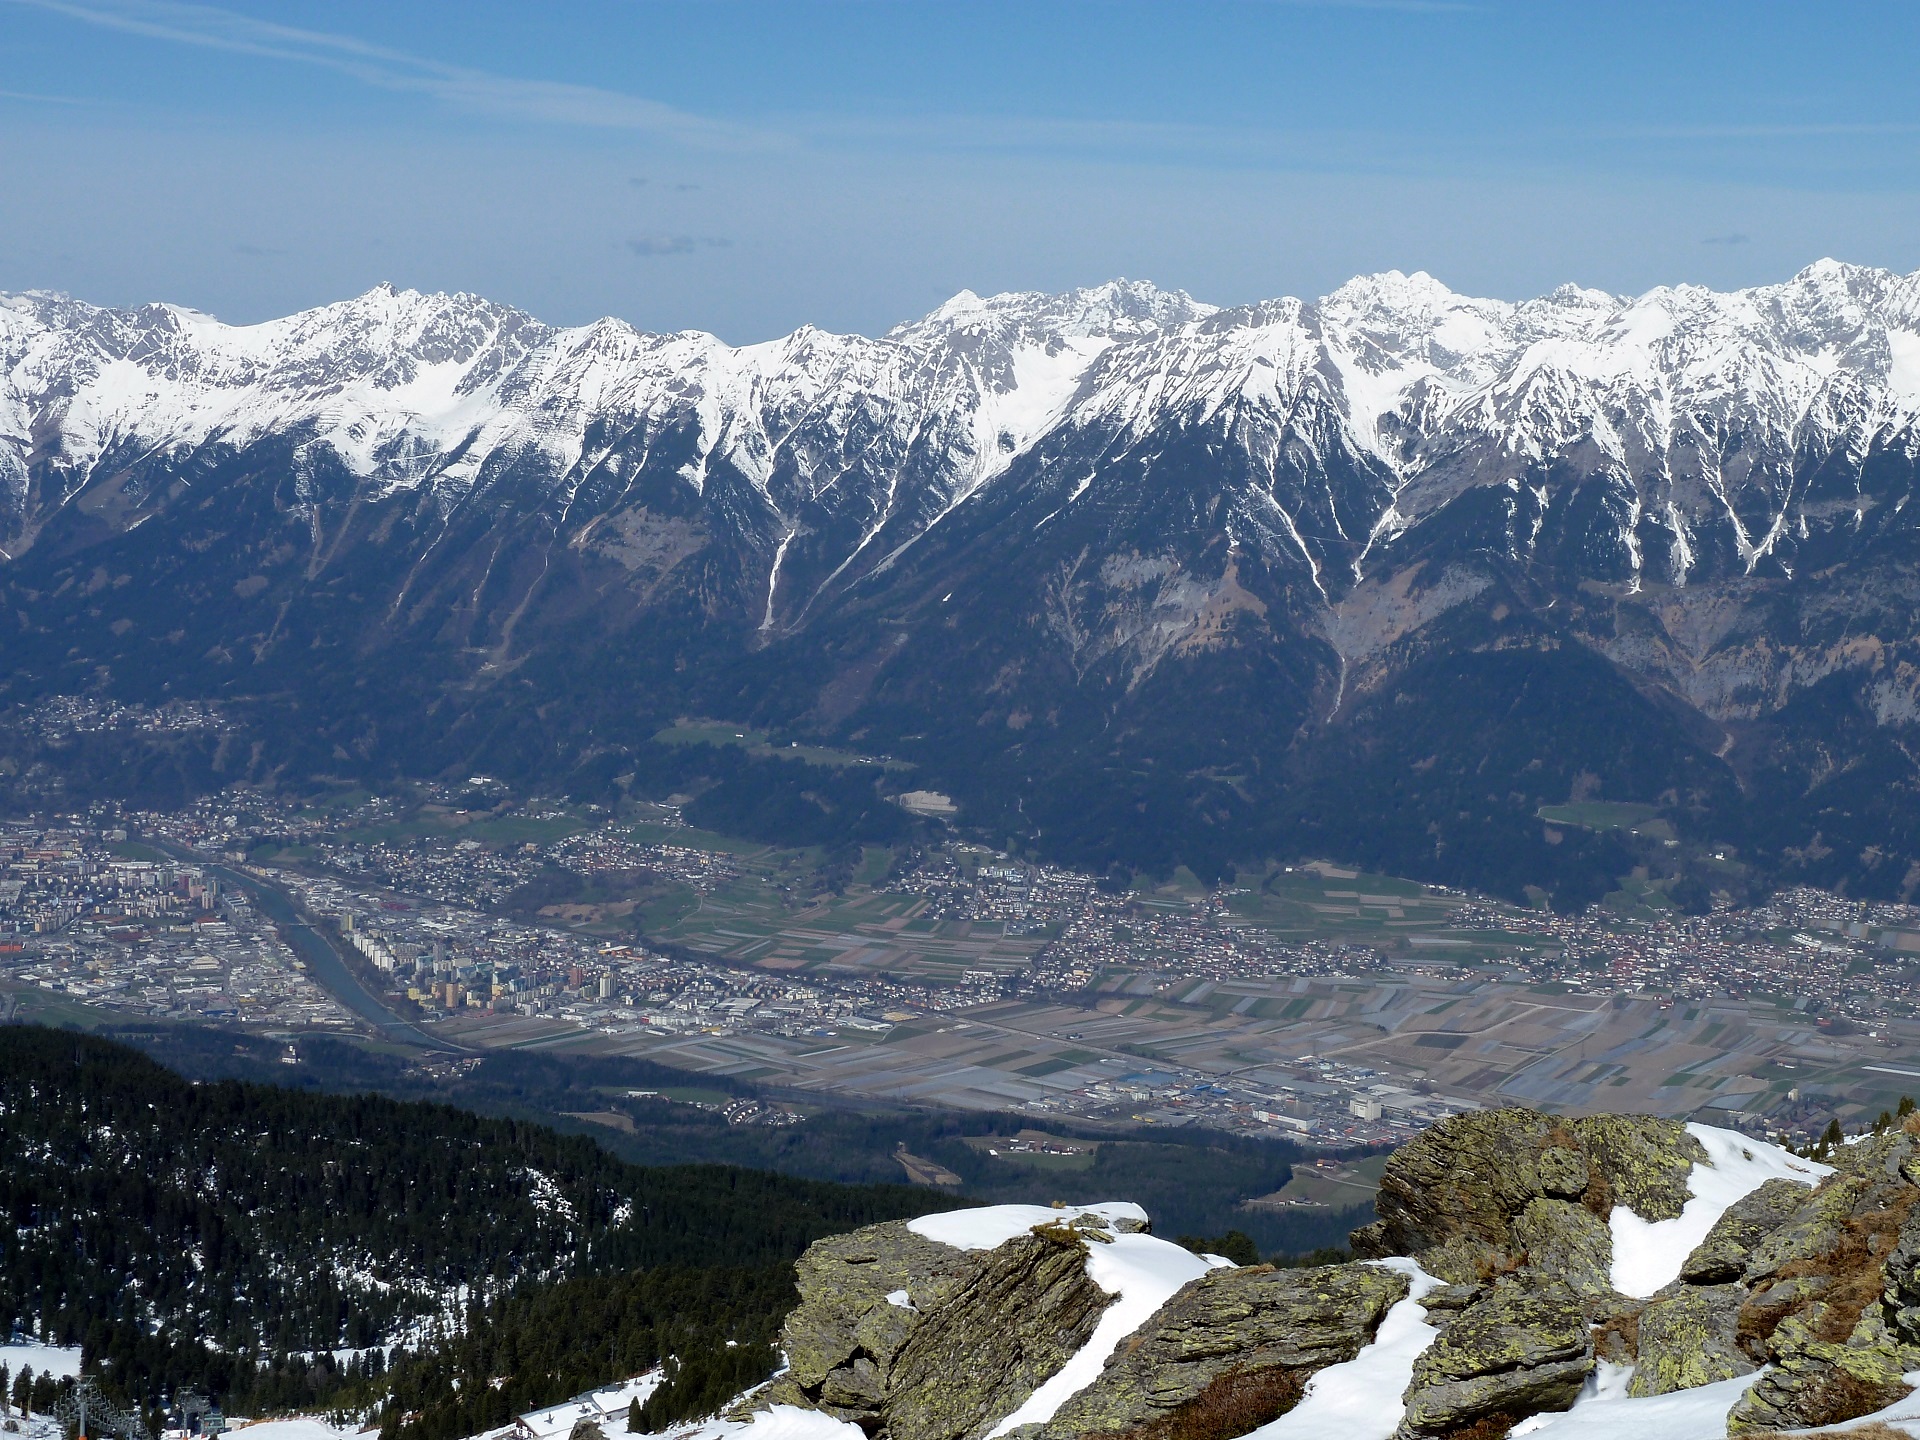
648	246
506	96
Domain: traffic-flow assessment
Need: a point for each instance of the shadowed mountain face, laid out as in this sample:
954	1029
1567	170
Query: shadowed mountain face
1137	579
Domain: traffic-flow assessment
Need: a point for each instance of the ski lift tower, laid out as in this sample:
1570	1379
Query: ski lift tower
84	1406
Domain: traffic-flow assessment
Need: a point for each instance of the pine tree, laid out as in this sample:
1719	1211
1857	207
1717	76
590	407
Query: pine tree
633	1416
23	1389
1906	1107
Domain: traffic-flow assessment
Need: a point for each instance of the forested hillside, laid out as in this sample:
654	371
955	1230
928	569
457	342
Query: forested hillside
219	1234
1192	1181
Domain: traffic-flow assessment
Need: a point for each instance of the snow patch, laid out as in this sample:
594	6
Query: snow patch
900	1298
298	1427
56	1360
1648	1254
777	1422
1142	1273
1359	1399
1679	1415
991	1226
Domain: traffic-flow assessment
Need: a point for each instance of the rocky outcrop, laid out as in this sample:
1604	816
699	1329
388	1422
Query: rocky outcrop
1728	1249
1688	1336
1231	1352
1817	1288
1522	1348
1817	1381
1571	1243
1823	1309
1901	1292
919	1340
1466	1198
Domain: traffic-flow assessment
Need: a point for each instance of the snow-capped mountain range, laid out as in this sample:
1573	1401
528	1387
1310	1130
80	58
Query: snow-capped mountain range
1701	412
1021	506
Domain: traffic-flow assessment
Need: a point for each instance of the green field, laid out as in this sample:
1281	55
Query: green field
1354	1183
759	742
1609	815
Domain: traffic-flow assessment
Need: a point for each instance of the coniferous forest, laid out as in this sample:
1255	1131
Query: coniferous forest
236	1237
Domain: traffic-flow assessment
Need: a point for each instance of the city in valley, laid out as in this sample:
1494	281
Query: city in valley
1310	1002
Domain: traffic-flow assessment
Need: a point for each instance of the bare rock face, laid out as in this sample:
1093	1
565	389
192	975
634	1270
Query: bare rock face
1570	1243
1689	1336
1522	1348
1230	1352
1818	1381
1728	1249
1816	1287
1826	1304
906	1336
1901	1293
1464	1198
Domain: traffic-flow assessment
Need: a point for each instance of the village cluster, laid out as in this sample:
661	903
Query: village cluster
128	910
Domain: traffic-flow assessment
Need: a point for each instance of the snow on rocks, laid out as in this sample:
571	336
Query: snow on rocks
991	1226
1649	1254
776	1422
1142	1273
1360	1399
1605	1413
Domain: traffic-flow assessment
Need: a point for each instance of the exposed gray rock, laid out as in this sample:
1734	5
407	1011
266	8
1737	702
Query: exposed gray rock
981	1330
1451	1299
1813	1229
1901	1293
1570	1243
1728	1249
1231	1352
1819	1381
1460	1197
1642	1161
1688	1337
1523	1348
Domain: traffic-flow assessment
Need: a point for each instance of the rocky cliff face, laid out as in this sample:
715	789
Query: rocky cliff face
1523	1265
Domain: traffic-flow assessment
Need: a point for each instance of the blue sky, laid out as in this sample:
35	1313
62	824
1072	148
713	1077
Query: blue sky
745	167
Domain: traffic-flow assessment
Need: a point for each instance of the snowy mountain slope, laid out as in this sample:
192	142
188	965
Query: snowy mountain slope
1697	410
1020	533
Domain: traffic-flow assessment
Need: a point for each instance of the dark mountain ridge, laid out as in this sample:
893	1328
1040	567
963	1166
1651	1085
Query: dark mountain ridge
1138	581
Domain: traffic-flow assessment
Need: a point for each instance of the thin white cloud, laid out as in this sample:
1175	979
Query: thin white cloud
550	101
38	99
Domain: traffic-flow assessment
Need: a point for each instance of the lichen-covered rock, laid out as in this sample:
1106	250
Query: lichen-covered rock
1570	1243
1523	1348
1728	1249
1827	1263
1687	1337
1231	1352
1901	1280
1815	1228
1451	1299
1815	1381
1464	1180
1461	1198
1892	1155
1643	1161
899	1333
